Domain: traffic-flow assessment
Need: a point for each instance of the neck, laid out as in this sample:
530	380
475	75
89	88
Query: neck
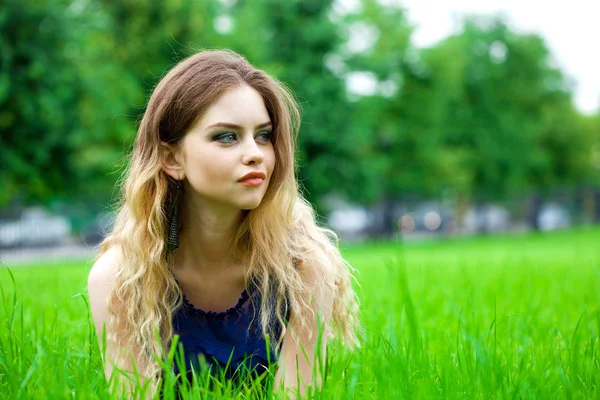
206	240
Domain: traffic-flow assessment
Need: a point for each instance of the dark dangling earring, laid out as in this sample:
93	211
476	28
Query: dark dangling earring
173	238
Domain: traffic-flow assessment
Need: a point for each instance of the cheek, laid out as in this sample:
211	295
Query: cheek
207	168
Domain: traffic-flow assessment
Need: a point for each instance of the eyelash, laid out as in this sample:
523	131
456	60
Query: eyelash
219	138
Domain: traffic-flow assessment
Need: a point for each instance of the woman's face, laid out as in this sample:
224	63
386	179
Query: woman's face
230	141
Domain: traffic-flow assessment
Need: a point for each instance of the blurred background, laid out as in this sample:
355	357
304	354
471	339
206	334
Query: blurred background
420	118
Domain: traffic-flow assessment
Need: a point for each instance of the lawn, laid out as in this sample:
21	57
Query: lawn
471	318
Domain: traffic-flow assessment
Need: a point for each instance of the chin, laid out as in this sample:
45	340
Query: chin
250	204
248	207
249	201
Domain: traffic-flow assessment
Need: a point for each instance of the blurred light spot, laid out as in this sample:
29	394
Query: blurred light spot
406	223
391	3
388	88
223	24
498	52
340	8
77	7
335	63
362	83
361	37
432	220
417	65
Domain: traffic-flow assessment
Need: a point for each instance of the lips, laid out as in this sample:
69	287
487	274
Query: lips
253	178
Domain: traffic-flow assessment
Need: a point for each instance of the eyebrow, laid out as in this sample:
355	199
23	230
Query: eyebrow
238	127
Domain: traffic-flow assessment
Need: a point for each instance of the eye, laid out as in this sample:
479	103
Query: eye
227	137
264	136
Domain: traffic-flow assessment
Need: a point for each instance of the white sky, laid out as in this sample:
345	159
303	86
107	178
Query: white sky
571	30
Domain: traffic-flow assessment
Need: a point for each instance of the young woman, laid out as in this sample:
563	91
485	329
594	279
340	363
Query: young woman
213	242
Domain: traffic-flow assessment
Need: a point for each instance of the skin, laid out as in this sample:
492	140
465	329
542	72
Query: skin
210	160
230	140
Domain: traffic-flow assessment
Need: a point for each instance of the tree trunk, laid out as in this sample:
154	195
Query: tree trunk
535	206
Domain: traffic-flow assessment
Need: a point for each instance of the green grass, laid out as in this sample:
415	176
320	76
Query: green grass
495	317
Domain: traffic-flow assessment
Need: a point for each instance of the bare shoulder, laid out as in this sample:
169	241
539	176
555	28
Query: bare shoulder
104	269
100	281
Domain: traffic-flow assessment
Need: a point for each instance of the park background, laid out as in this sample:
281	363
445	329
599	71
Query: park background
462	177
478	131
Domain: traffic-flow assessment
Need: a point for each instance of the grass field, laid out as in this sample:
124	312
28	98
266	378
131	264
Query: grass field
495	317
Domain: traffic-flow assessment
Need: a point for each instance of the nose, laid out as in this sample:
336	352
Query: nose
252	153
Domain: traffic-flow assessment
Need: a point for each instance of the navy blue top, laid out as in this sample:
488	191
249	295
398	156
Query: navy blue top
231	341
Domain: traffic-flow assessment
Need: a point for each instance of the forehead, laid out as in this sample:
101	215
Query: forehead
240	105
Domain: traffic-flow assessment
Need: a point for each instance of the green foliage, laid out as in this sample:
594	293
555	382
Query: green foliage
38	100
484	113
494	317
73	85
506	109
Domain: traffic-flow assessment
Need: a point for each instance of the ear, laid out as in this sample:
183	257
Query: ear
171	161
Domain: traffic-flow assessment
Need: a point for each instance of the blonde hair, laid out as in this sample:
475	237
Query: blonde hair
279	241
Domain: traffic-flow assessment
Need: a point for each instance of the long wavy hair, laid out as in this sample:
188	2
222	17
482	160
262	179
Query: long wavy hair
277	241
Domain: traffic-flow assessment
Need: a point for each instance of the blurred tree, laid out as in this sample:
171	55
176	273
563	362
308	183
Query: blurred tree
148	38
509	112
395	153
591	188
403	116
38	100
484	113
73	83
